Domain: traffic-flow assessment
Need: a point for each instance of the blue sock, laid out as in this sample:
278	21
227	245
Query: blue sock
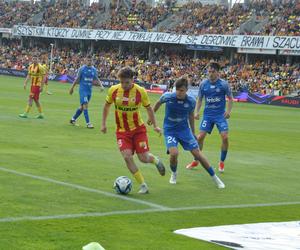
223	155
211	171
173	168
86	115
77	114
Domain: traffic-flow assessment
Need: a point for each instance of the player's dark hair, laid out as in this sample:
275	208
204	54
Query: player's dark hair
126	72
214	65
181	82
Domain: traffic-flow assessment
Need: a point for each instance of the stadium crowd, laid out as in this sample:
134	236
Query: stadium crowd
283	19
192	18
141	17
164	67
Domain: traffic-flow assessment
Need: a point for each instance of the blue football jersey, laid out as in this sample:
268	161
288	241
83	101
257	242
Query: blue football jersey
215	96
177	111
87	74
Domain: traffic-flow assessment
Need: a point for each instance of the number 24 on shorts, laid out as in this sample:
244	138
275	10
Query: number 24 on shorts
171	139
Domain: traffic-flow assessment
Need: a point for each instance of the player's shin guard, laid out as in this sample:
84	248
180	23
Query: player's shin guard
86	116
77	114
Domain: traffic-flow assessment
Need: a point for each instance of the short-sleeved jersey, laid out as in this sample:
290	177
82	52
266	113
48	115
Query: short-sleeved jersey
177	111
127	106
215	96
87	74
36	73
46	68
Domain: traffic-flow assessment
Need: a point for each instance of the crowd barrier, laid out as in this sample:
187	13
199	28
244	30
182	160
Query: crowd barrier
159	89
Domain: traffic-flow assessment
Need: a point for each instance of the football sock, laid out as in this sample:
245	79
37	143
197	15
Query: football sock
154	159
223	155
40	109
211	171
77	114
27	109
86	116
46	87
173	168
139	177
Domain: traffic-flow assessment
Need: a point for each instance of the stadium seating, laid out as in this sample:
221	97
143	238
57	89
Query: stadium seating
164	67
191	18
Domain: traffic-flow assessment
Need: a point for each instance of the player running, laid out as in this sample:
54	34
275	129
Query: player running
179	128
87	74
215	91
36	74
131	133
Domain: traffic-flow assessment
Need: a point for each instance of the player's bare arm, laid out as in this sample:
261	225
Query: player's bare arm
198	107
26	81
76	81
229	107
192	122
155	108
100	84
151	118
104	117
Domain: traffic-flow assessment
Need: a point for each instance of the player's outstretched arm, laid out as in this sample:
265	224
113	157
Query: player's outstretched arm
104	117
151	118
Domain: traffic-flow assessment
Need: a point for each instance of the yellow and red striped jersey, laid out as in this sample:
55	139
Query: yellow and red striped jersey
36	72
46	68
127	106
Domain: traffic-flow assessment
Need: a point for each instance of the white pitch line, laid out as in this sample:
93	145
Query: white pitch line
83	188
143	211
73	216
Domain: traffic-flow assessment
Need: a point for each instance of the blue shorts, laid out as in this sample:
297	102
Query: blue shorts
207	124
85	97
184	137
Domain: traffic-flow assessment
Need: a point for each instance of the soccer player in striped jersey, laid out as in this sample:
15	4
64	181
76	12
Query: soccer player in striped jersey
36	73
131	133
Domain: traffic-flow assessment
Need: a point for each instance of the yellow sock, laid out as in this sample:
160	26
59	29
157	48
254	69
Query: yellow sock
27	109
40	109
153	159
139	177
46	87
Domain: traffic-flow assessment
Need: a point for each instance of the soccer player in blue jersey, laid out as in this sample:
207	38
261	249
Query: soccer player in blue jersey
87	74
179	128
214	90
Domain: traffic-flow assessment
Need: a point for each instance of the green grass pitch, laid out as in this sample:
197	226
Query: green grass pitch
71	171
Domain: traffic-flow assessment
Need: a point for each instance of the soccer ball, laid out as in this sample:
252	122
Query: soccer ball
123	185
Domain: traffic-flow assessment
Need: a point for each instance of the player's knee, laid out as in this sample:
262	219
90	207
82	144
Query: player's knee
127	157
173	153
144	158
224	137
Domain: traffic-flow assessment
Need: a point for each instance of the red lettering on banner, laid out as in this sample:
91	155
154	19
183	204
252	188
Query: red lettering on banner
291	102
